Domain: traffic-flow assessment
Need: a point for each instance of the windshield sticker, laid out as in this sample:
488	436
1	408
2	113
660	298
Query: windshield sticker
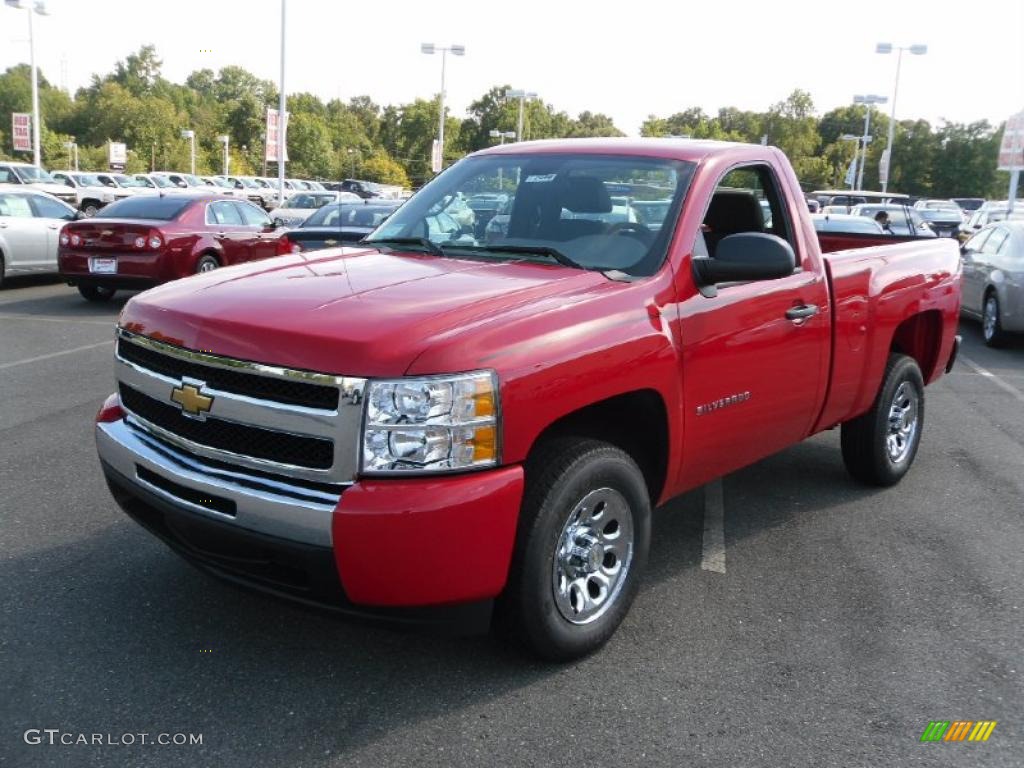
541	179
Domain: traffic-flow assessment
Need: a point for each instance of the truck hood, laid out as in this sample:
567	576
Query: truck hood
354	312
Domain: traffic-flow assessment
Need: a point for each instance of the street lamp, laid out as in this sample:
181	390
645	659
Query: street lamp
191	136
870	100
886	48
513	93
71	146
224	139
502	135
39	6
456	50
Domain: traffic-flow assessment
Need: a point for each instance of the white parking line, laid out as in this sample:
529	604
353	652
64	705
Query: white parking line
999	382
38	358
713	558
48	319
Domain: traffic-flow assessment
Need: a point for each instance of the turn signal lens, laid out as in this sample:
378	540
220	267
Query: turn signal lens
64	239
140	242
76	240
155	242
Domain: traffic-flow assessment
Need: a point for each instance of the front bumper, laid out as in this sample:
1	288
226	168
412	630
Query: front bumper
423	551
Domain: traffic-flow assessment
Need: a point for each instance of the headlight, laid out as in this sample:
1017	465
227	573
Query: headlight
431	424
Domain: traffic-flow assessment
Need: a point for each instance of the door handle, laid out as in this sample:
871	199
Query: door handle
802	312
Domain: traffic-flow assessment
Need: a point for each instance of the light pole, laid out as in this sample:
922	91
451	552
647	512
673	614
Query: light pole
225	139
870	100
513	93
282	144
456	50
71	146
852	137
191	136
886	48
33	7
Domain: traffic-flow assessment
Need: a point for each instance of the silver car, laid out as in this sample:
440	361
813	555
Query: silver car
993	280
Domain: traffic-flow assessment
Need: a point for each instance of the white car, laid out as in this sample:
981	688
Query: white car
30	224
91	193
254	192
301	205
123	183
35	177
162	183
221	186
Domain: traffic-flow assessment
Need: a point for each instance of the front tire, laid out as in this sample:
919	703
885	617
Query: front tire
581	547
880	446
98	294
90	209
991	322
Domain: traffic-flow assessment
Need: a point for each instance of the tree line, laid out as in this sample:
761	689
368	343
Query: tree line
391	144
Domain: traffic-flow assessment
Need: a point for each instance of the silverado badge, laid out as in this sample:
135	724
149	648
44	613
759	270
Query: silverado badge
191	399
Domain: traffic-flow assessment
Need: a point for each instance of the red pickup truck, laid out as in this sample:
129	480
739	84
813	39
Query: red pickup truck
440	424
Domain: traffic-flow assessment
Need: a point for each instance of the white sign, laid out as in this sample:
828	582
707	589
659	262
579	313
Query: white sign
1011	151
883	167
271	144
21	130
117	156
436	161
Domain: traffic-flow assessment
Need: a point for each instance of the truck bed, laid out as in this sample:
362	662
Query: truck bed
910	278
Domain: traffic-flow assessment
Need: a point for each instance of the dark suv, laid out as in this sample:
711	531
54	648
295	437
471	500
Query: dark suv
365	189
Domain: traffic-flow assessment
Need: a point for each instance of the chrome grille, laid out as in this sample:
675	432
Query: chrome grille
294	423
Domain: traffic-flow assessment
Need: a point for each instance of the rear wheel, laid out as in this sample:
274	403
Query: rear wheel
97	293
991	323
206	263
582	545
879	447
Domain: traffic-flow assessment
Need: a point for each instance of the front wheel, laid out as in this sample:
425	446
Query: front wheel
879	447
991	322
96	293
90	210
582	545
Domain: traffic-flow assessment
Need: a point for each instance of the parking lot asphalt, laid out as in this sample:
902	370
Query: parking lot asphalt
845	620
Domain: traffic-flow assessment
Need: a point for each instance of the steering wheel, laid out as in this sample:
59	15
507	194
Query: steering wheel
635	228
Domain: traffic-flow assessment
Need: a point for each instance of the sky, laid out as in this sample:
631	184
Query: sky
625	59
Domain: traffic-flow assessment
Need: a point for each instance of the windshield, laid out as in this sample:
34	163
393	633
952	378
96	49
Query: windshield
161	182
145	207
128	181
578	209
249	183
366	216
89	180
309	201
31	173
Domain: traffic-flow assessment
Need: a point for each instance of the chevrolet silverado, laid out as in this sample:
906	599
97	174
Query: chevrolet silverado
436	427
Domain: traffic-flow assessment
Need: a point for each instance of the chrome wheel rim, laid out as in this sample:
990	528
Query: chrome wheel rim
207	266
991	317
903	422
593	556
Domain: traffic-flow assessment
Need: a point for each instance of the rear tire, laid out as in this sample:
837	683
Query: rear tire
991	322
879	447
581	546
206	263
3	270
98	294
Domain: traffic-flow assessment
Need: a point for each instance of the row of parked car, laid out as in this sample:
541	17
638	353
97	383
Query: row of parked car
90	191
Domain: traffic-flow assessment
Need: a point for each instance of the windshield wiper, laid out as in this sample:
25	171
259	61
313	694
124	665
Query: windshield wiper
424	242
537	250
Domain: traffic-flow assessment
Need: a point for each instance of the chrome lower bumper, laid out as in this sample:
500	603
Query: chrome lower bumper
262	504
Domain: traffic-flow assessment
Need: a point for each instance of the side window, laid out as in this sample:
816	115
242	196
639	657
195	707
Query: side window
15	206
976	242
995	241
223	213
746	199
50	209
252	216
7	176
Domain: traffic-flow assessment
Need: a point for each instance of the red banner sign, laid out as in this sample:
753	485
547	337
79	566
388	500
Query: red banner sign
21	130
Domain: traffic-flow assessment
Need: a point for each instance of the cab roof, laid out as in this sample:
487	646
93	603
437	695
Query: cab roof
692	150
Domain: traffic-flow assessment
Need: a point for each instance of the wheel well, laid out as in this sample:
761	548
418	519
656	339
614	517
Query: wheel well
88	200
919	337
636	422
212	254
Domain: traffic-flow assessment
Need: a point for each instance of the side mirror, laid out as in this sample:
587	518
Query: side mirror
742	257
